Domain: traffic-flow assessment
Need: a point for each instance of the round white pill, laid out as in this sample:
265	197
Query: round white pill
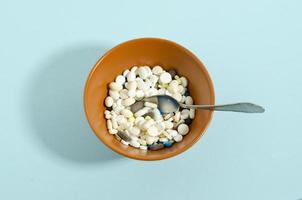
131	85
165	78
183	129
157	70
185	113
126	72
178	138
147	124
115	86
120	79
124	94
109	101
173	87
161	91
114	94
184	81
131	93
181	89
172	133
131	76
139	94
189	100
134	131
150	140
126	113
152	131
142	72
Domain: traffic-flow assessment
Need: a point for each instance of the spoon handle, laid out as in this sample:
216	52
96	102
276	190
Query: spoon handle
234	107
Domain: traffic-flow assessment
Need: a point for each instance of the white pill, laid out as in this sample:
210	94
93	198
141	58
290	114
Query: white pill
189	100
131	76
148	83
120	79
141	84
134	69
160	126
128	102
177	96
172	133
183	99
150	140
143	147
113	131
165	133
151	105
124	142
142	111
134	131
143	72
153	79
163	139
107	116
176	117
126	72
157	115
126	113
168	124
109	124
184	81
152	131
181	89
114	123
151	92
135	143
131	85
173	87
114	94
138	119
185	113
109	101
147	124
139	94
192	113
124	94
142	142
157	70
120	119
165	78
119	102
115	86
178	138
107	112
131	93
183	129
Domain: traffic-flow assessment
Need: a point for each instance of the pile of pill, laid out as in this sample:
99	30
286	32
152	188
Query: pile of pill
147	128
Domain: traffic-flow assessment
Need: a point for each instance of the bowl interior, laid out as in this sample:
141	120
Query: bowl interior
151	52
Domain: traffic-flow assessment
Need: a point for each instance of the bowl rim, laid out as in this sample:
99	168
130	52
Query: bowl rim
196	59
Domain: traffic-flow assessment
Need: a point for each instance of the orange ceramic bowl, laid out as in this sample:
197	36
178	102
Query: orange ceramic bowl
151	52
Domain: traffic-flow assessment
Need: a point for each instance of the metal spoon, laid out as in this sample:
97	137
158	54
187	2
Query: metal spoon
167	104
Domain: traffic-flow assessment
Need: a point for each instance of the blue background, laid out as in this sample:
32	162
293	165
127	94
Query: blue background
252	50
